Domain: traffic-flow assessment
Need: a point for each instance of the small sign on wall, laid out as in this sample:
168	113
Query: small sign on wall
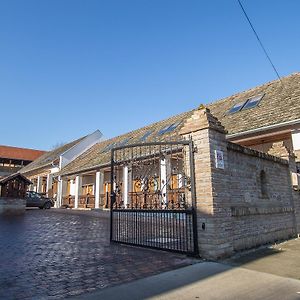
219	159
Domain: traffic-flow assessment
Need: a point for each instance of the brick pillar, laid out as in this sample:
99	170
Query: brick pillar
211	183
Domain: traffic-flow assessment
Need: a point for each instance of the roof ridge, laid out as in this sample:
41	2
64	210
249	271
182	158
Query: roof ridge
252	89
22	148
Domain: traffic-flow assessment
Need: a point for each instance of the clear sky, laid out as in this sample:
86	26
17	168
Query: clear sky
69	67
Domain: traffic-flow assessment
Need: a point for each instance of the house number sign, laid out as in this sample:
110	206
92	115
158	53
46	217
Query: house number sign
219	159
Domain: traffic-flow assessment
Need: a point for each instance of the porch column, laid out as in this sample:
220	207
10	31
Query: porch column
49	191
30	188
163	181
61	191
130	185
107	191
34	188
78	184
98	187
125	186
180	180
39	184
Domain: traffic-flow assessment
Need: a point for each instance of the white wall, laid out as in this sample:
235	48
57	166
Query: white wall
296	139
72	187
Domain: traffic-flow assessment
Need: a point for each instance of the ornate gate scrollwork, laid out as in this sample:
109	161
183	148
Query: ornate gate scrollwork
152	191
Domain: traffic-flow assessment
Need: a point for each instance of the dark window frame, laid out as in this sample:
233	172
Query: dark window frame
243	104
259	97
169	128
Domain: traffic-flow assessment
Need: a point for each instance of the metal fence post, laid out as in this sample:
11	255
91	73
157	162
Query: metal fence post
112	193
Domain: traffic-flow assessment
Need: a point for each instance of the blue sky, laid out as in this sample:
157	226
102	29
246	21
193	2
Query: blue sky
69	67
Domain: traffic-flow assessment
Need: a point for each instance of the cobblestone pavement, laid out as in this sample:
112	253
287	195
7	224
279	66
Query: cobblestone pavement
54	254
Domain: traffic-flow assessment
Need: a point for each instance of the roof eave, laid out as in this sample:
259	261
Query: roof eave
262	129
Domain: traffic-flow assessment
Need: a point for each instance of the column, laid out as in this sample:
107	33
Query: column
49	191
34	187
163	181
39	184
58	202
61	191
107	192
30	188
130	185
125	186
180	180
78	184
98	187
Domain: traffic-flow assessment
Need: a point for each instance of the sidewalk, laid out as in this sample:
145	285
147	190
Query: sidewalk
206	280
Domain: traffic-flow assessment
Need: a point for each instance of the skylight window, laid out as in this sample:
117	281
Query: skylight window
145	136
249	103
124	142
237	107
252	102
108	147
169	128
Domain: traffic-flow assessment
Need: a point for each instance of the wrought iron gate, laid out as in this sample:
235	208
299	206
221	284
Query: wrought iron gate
153	196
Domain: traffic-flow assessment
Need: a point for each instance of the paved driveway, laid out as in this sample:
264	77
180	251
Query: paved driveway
267	273
53	254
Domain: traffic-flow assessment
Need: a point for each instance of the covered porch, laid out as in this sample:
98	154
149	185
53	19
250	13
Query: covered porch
149	182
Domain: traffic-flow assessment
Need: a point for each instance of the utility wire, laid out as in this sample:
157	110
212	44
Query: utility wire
260	42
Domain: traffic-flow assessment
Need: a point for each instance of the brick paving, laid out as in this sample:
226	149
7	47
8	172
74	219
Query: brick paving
55	254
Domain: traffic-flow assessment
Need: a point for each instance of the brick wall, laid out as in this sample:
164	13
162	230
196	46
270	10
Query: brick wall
284	149
238	206
262	210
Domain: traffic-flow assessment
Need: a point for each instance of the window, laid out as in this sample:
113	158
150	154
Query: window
109	147
249	103
168	128
124	142
237	107
252	102
145	136
117	144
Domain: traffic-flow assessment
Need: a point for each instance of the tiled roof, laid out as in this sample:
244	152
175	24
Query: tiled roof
19	153
97	155
280	103
49	157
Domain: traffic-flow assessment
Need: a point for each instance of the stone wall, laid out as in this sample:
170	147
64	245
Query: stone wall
261	197
11	206
244	200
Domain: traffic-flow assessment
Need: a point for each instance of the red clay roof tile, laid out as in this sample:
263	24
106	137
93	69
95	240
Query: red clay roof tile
19	153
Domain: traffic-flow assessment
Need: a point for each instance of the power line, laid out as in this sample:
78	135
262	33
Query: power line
260	42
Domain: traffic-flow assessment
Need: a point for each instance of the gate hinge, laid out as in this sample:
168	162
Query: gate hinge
195	149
